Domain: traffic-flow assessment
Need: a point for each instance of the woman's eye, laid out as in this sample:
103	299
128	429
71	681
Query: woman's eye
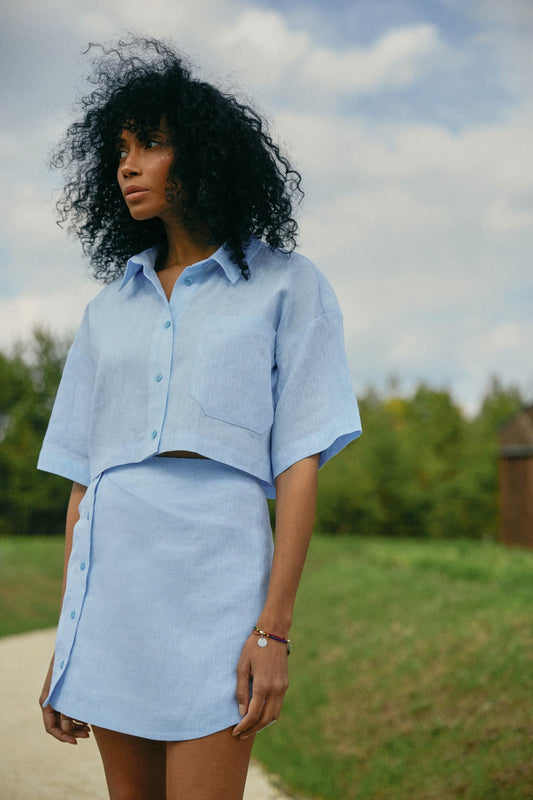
152	143
121	154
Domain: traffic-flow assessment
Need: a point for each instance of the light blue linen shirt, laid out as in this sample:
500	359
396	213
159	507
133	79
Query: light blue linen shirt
251	373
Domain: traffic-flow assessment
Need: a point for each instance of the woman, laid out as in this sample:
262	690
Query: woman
208	375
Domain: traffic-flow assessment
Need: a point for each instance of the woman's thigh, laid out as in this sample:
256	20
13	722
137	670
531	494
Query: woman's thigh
134	767
210	768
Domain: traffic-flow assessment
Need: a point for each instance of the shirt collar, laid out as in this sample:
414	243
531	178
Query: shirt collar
145	261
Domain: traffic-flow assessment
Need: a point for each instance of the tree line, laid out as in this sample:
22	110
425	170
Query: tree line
422	467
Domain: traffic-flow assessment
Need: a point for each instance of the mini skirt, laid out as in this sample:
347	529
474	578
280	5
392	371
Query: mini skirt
168	573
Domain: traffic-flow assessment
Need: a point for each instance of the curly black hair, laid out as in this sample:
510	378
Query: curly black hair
233	176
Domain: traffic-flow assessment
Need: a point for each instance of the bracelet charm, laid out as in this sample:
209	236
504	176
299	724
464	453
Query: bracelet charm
264	637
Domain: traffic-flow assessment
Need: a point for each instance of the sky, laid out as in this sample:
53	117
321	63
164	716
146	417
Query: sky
411	122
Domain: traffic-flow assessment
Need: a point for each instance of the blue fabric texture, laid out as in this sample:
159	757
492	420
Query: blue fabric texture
251	373
167	576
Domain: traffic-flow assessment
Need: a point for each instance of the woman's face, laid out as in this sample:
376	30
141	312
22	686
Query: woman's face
143	173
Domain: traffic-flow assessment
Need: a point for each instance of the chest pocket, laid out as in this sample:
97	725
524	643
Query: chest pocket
232	373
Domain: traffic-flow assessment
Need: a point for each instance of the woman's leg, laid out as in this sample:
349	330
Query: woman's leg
211	768
134	767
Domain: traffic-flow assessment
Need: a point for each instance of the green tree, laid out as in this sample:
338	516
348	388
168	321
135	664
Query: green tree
31	502
421	468
499	405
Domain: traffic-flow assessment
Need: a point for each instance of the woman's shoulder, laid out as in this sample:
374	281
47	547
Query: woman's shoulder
261	256
297	275
105	297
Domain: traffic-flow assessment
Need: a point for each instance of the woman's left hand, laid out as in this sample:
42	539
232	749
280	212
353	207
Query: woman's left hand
268	669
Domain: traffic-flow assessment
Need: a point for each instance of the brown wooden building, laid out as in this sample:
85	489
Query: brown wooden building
516	480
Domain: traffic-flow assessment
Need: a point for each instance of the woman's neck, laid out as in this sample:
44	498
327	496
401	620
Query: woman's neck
185	248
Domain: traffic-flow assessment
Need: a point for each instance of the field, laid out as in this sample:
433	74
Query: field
411	671
31	570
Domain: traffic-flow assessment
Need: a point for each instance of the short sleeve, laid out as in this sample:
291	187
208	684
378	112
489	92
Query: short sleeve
65	445
315	406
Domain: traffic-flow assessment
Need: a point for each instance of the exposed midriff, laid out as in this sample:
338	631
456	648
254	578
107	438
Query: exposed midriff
181	454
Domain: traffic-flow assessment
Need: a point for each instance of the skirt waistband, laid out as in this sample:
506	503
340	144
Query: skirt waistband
163	482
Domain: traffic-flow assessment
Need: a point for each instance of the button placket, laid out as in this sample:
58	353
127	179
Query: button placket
160	361
76	587
180	301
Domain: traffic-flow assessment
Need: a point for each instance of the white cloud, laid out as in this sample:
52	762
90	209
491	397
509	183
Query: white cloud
408	347
501	348
508	213
397	59
58	310
35	245
508	337
262	46
27	215
506	28
415	175
421	230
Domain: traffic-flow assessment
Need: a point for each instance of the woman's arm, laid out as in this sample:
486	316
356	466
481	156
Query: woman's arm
296	491
52	720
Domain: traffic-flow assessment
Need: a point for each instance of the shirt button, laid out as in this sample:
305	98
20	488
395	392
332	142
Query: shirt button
159	377
72	614
82	565
188	281
167	324
62	665
154	434
88	515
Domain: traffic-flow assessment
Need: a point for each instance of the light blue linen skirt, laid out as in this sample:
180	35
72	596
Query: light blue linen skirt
168	573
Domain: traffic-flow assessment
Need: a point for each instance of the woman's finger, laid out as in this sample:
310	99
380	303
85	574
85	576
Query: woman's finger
64	728
265	709
269	715
253	715
242	692
53	725
74	727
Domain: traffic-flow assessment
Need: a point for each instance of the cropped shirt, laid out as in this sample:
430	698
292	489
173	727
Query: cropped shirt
252	373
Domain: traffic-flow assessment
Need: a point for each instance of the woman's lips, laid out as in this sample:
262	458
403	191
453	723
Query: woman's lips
135	192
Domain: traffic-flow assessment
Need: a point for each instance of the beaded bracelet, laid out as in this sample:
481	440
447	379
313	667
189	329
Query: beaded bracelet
263	636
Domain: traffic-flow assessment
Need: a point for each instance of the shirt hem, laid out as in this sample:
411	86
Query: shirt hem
193	443
168	733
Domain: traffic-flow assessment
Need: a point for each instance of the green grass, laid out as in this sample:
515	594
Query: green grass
31	570
411	671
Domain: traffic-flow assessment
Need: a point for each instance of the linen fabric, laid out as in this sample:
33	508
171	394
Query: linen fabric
251	373
168	573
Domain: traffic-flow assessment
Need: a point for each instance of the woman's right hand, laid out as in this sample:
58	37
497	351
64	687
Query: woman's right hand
58	725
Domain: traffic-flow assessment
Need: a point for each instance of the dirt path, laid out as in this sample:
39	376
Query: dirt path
35	766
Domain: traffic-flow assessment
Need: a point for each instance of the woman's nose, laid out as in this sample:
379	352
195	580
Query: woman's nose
130	166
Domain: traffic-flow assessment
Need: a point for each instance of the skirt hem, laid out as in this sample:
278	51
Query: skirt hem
161	735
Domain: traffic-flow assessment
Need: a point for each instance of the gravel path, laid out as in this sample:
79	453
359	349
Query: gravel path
35	766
